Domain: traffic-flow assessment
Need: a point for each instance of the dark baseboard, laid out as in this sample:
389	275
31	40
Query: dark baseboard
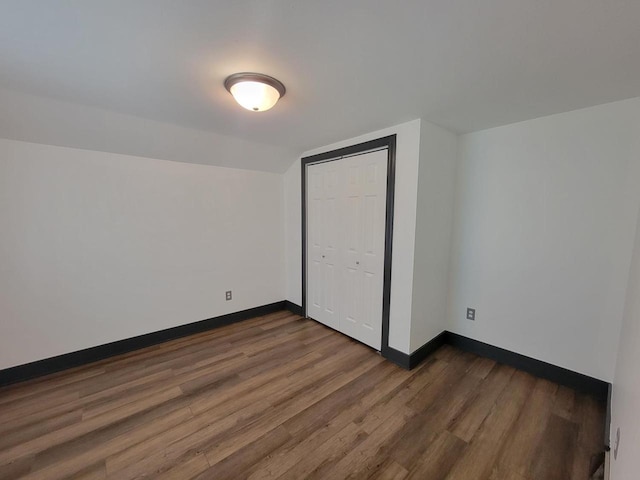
538	368
583	383
407	361
427	349
396	356
293	308
75	359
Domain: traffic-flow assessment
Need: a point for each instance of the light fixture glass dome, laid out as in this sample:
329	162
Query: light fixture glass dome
255	96
254	91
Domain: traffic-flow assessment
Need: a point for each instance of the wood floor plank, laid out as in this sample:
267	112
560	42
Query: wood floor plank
481	456
399	397
588	413
478	406
424	428
480	367
456	368
390	470
16	468
309	439
364	460
73	457
40	443
327	455
239	462
10	438
192	468
175	445
287	410
36	388
330	405
93	472
437	460
218	427
529	430
282	397
553	458
565	403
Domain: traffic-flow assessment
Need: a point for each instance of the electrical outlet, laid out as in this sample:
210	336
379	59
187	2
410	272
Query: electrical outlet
227	295
471	314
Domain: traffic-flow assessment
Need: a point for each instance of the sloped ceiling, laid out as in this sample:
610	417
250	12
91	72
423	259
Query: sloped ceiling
349	66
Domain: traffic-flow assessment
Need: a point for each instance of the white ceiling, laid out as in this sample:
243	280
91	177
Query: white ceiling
350	66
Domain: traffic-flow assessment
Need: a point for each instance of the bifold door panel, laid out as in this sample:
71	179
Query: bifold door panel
323	233
346	211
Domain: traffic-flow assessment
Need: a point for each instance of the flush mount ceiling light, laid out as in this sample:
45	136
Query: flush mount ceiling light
254	91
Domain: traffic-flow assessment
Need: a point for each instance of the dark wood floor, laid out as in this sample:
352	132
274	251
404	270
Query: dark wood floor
282	397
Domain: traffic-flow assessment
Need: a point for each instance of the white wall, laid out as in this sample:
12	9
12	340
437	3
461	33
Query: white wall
404	224
436	179
97	247
292	233
626	384
543	235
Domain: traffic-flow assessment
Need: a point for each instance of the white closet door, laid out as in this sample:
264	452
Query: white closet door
323	243
363	260
346	209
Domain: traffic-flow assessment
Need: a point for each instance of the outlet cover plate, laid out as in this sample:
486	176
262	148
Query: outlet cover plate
471	314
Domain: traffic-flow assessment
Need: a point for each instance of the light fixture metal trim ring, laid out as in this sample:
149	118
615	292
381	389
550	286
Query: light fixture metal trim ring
231	80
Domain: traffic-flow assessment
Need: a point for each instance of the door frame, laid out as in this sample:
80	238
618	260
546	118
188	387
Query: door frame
380	143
